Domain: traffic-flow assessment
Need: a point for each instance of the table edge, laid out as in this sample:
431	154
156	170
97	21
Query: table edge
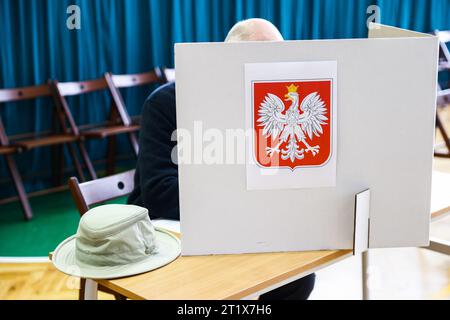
312	267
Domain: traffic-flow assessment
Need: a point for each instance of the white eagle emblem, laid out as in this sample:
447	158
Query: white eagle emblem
292	126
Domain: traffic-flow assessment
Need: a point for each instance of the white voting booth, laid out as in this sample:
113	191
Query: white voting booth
379	128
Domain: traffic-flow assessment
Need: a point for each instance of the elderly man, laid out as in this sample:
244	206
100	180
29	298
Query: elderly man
156	179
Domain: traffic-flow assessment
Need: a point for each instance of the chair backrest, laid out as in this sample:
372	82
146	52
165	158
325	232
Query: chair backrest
100	190
44	90
25	93
138	79
67	89
81	87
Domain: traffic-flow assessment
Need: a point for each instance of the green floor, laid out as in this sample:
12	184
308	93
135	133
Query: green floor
55	218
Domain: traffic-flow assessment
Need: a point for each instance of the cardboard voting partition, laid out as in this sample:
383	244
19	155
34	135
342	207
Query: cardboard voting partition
328	120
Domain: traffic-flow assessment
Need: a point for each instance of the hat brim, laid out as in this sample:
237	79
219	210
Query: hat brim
64	259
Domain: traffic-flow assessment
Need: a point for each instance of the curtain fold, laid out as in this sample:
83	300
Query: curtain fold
128	36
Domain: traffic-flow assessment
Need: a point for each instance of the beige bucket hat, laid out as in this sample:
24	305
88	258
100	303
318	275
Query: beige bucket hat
115	241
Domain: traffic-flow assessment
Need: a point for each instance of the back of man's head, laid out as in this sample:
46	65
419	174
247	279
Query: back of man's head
254	30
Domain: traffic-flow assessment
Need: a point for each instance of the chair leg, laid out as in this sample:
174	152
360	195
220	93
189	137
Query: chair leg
89	289
82	289
111	156
76	163
27	212
86	160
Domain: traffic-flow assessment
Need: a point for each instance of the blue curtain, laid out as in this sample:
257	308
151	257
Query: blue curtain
126	36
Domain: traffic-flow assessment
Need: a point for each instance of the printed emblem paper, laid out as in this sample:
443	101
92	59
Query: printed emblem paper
291	110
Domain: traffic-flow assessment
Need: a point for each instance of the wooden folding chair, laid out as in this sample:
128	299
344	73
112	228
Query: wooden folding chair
443	96
121	81
58	136
119	122
444	53
95	192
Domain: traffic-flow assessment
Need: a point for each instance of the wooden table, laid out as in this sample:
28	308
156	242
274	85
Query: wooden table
244	276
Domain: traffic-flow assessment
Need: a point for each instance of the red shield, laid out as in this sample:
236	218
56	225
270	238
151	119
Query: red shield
292	123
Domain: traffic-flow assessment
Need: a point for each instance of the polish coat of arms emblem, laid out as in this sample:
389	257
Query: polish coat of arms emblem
292	123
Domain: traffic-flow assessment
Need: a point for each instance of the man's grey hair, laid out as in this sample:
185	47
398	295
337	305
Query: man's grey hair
254	30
